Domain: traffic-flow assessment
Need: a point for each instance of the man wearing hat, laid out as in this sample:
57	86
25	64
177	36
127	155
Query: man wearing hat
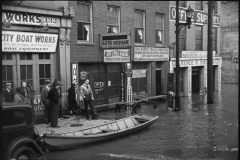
54	97
8	95
24	91
30	91
45	100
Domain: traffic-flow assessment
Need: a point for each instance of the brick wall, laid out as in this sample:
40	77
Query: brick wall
229	40
92	53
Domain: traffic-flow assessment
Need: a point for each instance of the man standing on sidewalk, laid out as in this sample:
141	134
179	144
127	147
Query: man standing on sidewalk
87	94
45	100
54	97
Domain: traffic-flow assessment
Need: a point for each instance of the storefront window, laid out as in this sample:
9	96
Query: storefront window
139	78
7	75
6	56
99	85
25	56
44	73
26	72
113	84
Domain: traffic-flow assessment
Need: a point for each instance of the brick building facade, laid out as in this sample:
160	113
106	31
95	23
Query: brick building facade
193	47
117	17
230	41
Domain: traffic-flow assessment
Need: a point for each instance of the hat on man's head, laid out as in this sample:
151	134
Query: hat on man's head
8	84
56	82
47	81
29	82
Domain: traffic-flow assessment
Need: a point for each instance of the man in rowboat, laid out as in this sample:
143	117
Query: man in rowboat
87	94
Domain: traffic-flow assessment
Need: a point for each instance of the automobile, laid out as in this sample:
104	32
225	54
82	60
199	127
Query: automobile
20	138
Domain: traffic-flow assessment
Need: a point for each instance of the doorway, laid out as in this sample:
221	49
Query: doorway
195	80
158	82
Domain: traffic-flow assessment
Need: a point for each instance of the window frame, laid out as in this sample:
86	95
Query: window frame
119	21
4	81
196	38
199	4
214	40
26	70
84	22
184	47
157	29
142	28
45	77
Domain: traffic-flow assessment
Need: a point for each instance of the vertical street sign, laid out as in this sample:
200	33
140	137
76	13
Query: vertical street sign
75	80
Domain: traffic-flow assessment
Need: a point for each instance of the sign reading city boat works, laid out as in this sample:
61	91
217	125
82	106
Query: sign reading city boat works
28	42
199	17
115	40
185	62
196	54
151	54
117	55
30	19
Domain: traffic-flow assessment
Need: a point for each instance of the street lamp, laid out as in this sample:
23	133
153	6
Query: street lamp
179	26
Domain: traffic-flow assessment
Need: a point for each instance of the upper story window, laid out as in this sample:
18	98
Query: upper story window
182	40
214	6
198	37
84	22
159	25
182	3
139	24
113	19
214	43
199	5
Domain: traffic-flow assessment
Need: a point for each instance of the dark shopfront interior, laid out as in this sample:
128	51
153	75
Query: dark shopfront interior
105	80
195	79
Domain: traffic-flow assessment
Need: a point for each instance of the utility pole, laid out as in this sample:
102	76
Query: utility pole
210	56
177	96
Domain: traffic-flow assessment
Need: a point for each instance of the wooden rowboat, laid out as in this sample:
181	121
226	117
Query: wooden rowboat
104	132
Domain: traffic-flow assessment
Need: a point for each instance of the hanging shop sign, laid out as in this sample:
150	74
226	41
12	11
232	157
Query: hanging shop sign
75	79
117	55
139	73
196	54
151	54
184	62
28	42
115	40
199	17
30	19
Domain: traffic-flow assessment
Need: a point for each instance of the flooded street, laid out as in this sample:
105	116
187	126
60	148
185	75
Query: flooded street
198	131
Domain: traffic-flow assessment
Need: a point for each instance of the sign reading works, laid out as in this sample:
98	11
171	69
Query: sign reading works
30	19
28	42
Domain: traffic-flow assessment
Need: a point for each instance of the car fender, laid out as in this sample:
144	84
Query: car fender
21	141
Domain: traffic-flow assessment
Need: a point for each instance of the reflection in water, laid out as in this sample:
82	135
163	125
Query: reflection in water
198	131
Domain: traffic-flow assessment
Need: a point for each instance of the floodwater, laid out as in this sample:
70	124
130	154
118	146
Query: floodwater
198	131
